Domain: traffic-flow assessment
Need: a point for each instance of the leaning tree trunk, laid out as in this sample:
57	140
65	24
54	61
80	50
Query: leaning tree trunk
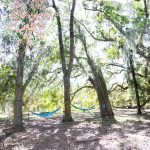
106	109
135	85
18	124
99	85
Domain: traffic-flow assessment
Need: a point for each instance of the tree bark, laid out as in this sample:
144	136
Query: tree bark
99	85
102	94
19	91
106	109
135	85
67	102
67	69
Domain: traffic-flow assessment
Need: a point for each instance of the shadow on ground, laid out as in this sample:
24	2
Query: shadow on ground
87	132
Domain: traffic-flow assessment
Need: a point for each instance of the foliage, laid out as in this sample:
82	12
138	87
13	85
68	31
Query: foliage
33	23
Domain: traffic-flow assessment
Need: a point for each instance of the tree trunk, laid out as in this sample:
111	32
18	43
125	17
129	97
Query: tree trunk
19	91
135	85
102	94
67	102
106	109
67	69
99	85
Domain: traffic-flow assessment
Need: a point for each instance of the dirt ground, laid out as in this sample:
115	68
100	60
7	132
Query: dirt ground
126	132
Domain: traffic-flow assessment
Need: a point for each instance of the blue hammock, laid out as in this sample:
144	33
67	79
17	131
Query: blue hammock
83	109
46	114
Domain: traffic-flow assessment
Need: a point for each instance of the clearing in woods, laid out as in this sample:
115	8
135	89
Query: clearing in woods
127	131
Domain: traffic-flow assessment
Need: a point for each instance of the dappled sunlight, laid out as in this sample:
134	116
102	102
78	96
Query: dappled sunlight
85	125
110	144
123	132
85	136
74	75
55	131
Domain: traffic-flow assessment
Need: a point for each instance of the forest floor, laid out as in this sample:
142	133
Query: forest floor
87	132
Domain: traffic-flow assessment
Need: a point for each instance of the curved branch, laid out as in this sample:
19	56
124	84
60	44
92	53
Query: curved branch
105	39
117	85
91	87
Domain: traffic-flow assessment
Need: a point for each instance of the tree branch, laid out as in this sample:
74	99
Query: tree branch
146	101
105	39
31	74
117	65
91	87
117	85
